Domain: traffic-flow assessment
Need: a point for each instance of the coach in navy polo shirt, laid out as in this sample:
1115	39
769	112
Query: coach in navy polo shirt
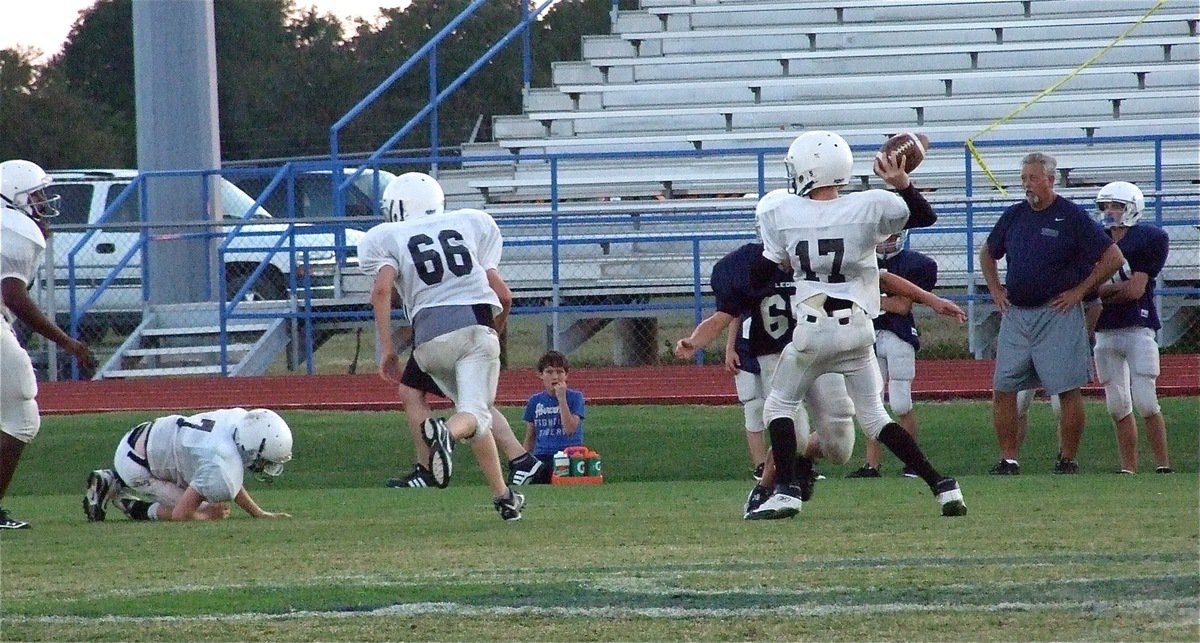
1056	255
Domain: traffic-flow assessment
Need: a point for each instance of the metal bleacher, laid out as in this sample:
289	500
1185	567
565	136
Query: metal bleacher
754	74
684	109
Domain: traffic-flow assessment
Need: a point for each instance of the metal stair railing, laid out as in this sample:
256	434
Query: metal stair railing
428	51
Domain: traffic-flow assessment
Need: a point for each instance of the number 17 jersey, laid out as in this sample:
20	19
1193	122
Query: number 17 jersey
831	244
441	260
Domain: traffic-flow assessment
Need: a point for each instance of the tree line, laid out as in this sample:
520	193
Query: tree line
284	77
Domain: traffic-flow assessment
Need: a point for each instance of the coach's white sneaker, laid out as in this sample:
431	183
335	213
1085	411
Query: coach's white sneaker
779	505
950	497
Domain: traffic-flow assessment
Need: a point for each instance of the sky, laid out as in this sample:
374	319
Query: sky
44	25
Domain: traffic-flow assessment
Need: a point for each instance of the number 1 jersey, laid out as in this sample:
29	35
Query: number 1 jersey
441	260
831	244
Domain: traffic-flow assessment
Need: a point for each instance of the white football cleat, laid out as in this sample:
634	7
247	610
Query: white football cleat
950	497
441	447
778	506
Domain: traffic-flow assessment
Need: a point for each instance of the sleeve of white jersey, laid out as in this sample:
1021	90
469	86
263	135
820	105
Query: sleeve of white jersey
374	250
774	246
491	242
893	212
19	259
219	476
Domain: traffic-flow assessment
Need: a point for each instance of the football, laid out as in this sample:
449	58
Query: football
909	147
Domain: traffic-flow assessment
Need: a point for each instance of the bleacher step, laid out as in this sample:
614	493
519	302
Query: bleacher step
214	369
186	350
204	330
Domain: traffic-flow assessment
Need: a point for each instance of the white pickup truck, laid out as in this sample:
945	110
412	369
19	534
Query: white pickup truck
87	251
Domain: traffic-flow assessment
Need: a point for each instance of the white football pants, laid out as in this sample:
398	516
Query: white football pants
465	363
1127	364
19	415
898	365
824	344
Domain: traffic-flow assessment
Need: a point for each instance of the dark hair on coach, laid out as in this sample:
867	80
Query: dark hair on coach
555	359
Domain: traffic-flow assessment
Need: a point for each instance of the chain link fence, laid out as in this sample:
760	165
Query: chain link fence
608	281
612	289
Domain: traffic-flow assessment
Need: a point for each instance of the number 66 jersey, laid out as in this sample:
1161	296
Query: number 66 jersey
441	260
831	244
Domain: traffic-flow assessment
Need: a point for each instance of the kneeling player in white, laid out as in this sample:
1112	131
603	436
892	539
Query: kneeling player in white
187	468
829	242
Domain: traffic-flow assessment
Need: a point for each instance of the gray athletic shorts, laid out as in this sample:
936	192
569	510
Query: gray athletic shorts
1042	347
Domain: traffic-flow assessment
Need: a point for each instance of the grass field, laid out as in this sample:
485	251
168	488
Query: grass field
659	552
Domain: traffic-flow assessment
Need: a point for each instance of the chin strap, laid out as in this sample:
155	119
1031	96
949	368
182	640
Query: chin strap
12	204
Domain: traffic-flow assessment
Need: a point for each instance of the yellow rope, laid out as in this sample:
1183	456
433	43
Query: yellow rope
1046	92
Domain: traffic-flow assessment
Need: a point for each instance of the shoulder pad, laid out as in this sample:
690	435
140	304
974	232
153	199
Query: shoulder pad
771	200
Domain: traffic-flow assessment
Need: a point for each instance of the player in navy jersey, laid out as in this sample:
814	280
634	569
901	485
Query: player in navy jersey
1126	350
896	340
755	306
1056	254
759	325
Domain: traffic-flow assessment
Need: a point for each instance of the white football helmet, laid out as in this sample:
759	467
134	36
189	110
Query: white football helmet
817	159
22	187
891	246
1126	194
265	442
412	195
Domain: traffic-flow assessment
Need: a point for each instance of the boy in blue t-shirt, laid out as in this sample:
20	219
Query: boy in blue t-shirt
554	416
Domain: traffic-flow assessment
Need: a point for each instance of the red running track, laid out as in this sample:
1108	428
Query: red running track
676	384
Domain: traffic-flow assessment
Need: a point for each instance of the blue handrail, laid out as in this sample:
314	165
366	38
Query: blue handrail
429	51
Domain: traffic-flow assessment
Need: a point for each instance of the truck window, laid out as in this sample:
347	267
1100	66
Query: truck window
127	212
74	204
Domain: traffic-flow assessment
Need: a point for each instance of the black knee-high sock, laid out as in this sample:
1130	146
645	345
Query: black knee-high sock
899	442
783	449
138	510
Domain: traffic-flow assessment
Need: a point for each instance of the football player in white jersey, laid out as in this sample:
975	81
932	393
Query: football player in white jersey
187	468
829	240
24	208
444	265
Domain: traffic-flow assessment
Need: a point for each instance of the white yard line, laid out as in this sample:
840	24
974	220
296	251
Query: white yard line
1183	608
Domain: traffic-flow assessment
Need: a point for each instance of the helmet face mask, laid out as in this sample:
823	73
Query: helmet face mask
412	195
265	443
23	188
1120	204
891	246
818	159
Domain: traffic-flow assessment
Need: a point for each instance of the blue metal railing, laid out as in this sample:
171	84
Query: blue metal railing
428	52
284	241
970	217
